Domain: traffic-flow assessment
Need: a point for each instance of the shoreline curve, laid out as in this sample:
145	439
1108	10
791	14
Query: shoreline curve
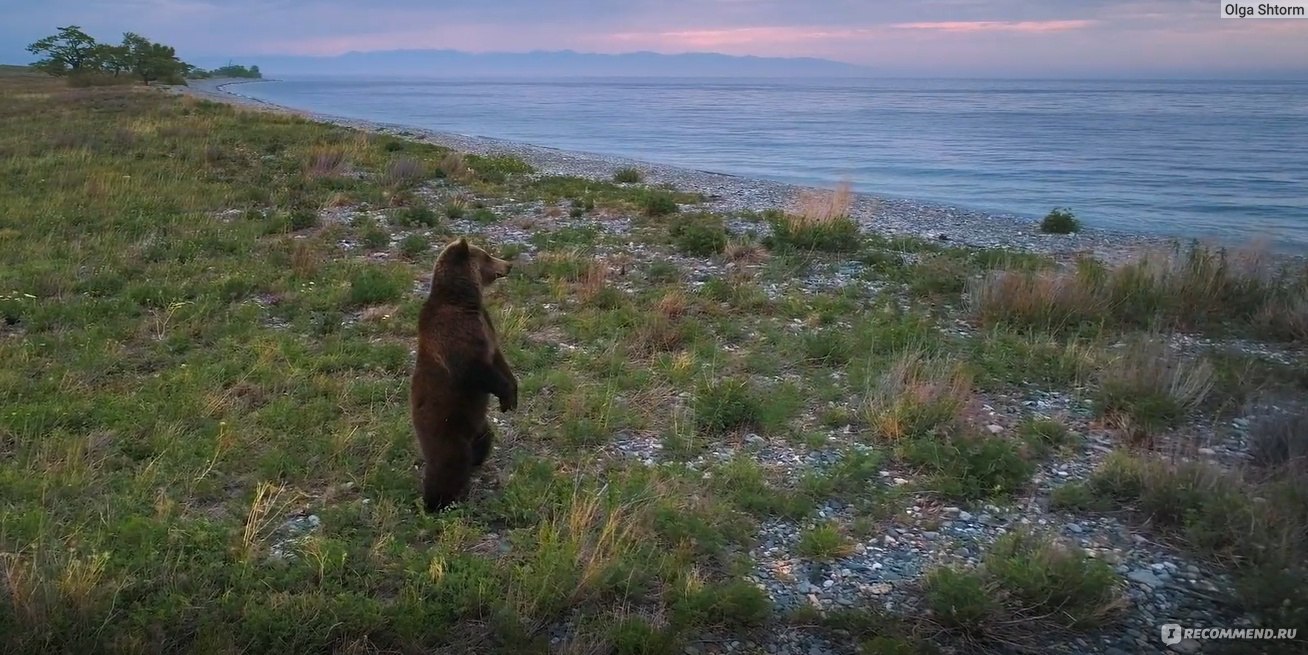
730	192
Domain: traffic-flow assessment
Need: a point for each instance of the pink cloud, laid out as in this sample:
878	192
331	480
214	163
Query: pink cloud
725	38
1030	26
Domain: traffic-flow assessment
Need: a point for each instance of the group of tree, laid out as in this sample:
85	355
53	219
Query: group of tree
72	53
230	70
75	54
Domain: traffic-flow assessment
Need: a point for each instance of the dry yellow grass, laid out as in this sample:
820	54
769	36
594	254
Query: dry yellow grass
453	166
1149	387
917	393
378	313
1163	289
594	280
580	545
266	509
673	304
745	252
819	207
665	333
1052	299
327	161
1286	319
305	259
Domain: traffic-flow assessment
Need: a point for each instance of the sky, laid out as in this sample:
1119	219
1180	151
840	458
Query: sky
943	38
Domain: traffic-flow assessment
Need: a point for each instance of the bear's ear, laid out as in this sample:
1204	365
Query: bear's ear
460	247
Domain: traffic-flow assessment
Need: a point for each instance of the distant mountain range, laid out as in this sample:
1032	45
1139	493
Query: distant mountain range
450	63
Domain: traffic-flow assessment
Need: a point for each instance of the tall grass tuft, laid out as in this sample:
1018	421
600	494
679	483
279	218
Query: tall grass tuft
823	207
454	167
326	161
404	172
1192	289
1149	388
916	395
817	220
1280	442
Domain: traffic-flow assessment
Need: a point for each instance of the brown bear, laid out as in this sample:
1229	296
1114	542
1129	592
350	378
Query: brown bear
459	367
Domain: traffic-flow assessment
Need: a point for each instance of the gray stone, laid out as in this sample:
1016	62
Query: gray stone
1145	577
1187	646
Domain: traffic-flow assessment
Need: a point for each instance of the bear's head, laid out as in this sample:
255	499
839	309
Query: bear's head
463	256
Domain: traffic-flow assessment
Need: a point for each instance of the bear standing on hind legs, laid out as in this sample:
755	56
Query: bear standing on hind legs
459	368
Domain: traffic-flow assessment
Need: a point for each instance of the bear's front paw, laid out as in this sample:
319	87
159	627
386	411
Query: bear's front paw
510	400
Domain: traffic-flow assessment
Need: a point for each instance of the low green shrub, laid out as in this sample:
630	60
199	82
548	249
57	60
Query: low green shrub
1060	221
627	176
699	235
724	405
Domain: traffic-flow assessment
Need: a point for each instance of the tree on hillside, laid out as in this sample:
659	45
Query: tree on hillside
153	61
66	52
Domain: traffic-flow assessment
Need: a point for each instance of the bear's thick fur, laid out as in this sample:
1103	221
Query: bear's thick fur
459	367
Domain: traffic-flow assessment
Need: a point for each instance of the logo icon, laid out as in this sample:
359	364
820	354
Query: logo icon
1171	633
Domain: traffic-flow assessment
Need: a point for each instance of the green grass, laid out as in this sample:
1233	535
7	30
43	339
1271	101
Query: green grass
823	543
731	404
969	466
1044	434
792	233
1025	586
374	286
417	216
627	176
213	361
658	203
414	246
698	234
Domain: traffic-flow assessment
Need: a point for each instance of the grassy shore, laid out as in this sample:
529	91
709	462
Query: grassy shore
206	327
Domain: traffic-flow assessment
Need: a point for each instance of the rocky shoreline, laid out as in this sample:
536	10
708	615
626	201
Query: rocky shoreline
729	193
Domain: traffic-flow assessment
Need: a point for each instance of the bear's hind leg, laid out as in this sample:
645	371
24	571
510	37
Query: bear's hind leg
481	445
445	478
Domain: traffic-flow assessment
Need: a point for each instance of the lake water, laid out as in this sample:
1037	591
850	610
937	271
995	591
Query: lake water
1189	158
